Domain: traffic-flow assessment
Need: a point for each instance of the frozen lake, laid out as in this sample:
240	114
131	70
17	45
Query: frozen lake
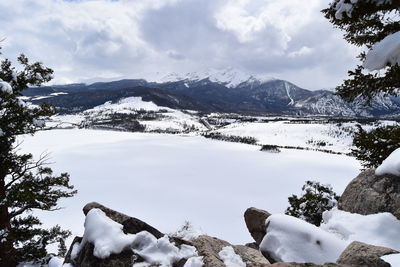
166	180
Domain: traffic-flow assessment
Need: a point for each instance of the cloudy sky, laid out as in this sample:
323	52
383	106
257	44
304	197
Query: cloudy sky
89	39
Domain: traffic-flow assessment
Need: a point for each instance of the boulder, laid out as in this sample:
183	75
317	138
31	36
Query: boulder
369	193
361	254
209	247
127	257
255	222
131	225
250	255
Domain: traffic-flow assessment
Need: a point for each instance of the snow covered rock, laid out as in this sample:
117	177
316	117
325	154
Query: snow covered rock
131	225
369	193
361	254
290	239
210	248
381	229
115	239
391	165
255	222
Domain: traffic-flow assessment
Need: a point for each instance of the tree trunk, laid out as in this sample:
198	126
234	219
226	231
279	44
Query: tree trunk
8	257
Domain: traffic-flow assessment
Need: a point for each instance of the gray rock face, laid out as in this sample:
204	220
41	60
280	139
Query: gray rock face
369	194
255	222
131	225
361	254
209	247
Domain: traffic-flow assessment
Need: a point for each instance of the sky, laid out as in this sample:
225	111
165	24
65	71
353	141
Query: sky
86	40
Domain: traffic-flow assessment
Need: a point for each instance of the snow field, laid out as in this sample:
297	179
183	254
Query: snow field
166	180
286	133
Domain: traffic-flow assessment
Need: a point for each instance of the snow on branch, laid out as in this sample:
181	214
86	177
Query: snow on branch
346	7
384	53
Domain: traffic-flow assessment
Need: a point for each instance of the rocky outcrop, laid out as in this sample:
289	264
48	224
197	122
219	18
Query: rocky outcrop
369	194
209	247
361	254
255	222
127	257
81	253
131	225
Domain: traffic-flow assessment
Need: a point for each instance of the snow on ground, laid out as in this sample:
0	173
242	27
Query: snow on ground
286	133
167	119
126	105
166	180
65	121
391	165
171	119
337	137
290	239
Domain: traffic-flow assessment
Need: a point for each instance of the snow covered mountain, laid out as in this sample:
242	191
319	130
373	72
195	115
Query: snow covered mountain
229	77
227	90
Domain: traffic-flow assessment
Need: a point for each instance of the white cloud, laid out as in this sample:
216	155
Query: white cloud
104	38
301	52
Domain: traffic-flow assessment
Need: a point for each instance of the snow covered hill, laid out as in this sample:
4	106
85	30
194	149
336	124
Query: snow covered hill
133	114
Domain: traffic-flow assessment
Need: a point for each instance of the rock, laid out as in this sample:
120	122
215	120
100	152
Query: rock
255	222
250	255
127	257
67	258
85	257
355	255
209	247
253	245
361	254
296	264
131	225
369	194
293	264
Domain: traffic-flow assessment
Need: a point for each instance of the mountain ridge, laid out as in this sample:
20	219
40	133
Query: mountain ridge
244	94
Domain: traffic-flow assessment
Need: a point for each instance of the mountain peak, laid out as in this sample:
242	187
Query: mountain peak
229	77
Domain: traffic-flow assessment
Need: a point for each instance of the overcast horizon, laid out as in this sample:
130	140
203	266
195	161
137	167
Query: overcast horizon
94	39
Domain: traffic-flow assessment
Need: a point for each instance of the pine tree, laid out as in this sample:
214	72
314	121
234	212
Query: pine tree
370	24
26	184
315	199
